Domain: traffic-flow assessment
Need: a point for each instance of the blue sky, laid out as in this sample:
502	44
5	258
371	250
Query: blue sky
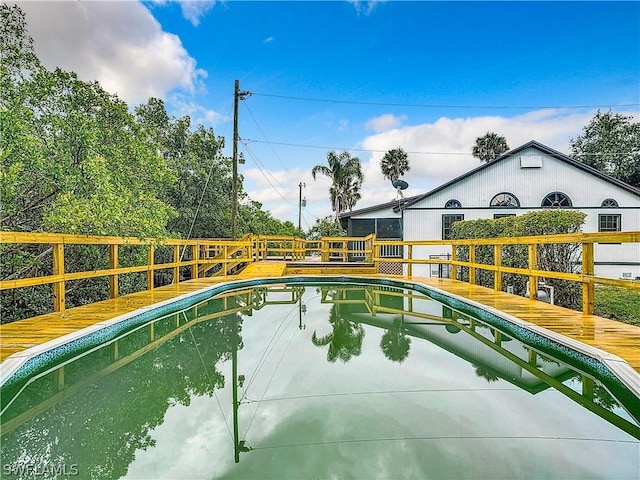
429	77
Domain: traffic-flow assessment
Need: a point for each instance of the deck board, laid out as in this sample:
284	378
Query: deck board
609	335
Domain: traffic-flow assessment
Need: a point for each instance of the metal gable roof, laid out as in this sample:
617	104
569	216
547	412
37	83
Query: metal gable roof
538	146
380	206
407	202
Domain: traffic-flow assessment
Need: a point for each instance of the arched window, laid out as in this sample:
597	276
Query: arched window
556	200
609	203
453	204
505	199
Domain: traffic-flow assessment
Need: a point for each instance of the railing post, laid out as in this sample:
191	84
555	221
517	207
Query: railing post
250	249
113	263
225	256
58	269
176	259
453	270
150	272
588	287
472	259
497	261
410	260
194	258
324	250
533	265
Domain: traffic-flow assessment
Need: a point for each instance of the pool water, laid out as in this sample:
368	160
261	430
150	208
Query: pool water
331	381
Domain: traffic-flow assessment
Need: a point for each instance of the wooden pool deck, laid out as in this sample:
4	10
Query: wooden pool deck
608	335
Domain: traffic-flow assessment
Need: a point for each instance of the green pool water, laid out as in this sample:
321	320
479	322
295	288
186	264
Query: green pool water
319	381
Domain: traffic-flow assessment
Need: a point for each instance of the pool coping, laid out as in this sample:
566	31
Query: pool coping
626	374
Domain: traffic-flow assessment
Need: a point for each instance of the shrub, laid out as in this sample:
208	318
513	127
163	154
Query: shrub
556	257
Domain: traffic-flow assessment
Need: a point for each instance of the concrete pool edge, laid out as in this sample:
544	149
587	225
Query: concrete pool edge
30	359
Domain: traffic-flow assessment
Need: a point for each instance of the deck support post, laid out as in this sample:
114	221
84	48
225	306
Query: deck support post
194	258
472	260
453	271
497	261
113	264
533	265
176	268
58	269
150	271
588	287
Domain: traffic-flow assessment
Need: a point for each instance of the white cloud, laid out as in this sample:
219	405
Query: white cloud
385	122
268	40
194	10
198	113
365	8
119	44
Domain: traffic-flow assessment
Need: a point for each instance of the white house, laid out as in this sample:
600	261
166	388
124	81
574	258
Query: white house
528	178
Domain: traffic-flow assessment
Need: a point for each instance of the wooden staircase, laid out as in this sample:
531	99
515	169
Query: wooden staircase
217	260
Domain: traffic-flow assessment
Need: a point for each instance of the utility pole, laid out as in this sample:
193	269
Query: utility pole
237	95
301	185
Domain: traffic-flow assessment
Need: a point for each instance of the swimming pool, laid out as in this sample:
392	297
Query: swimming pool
319	378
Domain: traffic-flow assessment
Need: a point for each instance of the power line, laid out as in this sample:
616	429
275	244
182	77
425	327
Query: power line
436	105
260	166
265	136
356	149
353	149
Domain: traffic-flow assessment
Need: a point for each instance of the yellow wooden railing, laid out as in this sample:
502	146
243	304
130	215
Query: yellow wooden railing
223	257
586	277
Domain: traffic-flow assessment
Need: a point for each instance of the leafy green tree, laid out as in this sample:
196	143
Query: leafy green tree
345	173
200	194
326	227
394	164
559	258
610	142
253	219
490	146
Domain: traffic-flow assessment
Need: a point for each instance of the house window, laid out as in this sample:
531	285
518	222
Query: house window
453	204
609	223
388	228
502	215
362	227
505	199
447	222
609	203
556	200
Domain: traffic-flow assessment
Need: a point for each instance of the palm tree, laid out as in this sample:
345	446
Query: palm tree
394	164
346	177
345	340
489	147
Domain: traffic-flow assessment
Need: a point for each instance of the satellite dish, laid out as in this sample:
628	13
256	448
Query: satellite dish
400	184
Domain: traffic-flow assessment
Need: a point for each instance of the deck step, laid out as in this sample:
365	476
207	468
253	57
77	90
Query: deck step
330	268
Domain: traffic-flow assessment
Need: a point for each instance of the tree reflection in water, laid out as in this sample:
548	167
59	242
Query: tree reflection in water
395	344
345	341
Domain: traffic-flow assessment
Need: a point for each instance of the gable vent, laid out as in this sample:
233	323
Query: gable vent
531	161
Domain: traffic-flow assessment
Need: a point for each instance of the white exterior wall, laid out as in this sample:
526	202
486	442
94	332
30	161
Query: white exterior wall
423	220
